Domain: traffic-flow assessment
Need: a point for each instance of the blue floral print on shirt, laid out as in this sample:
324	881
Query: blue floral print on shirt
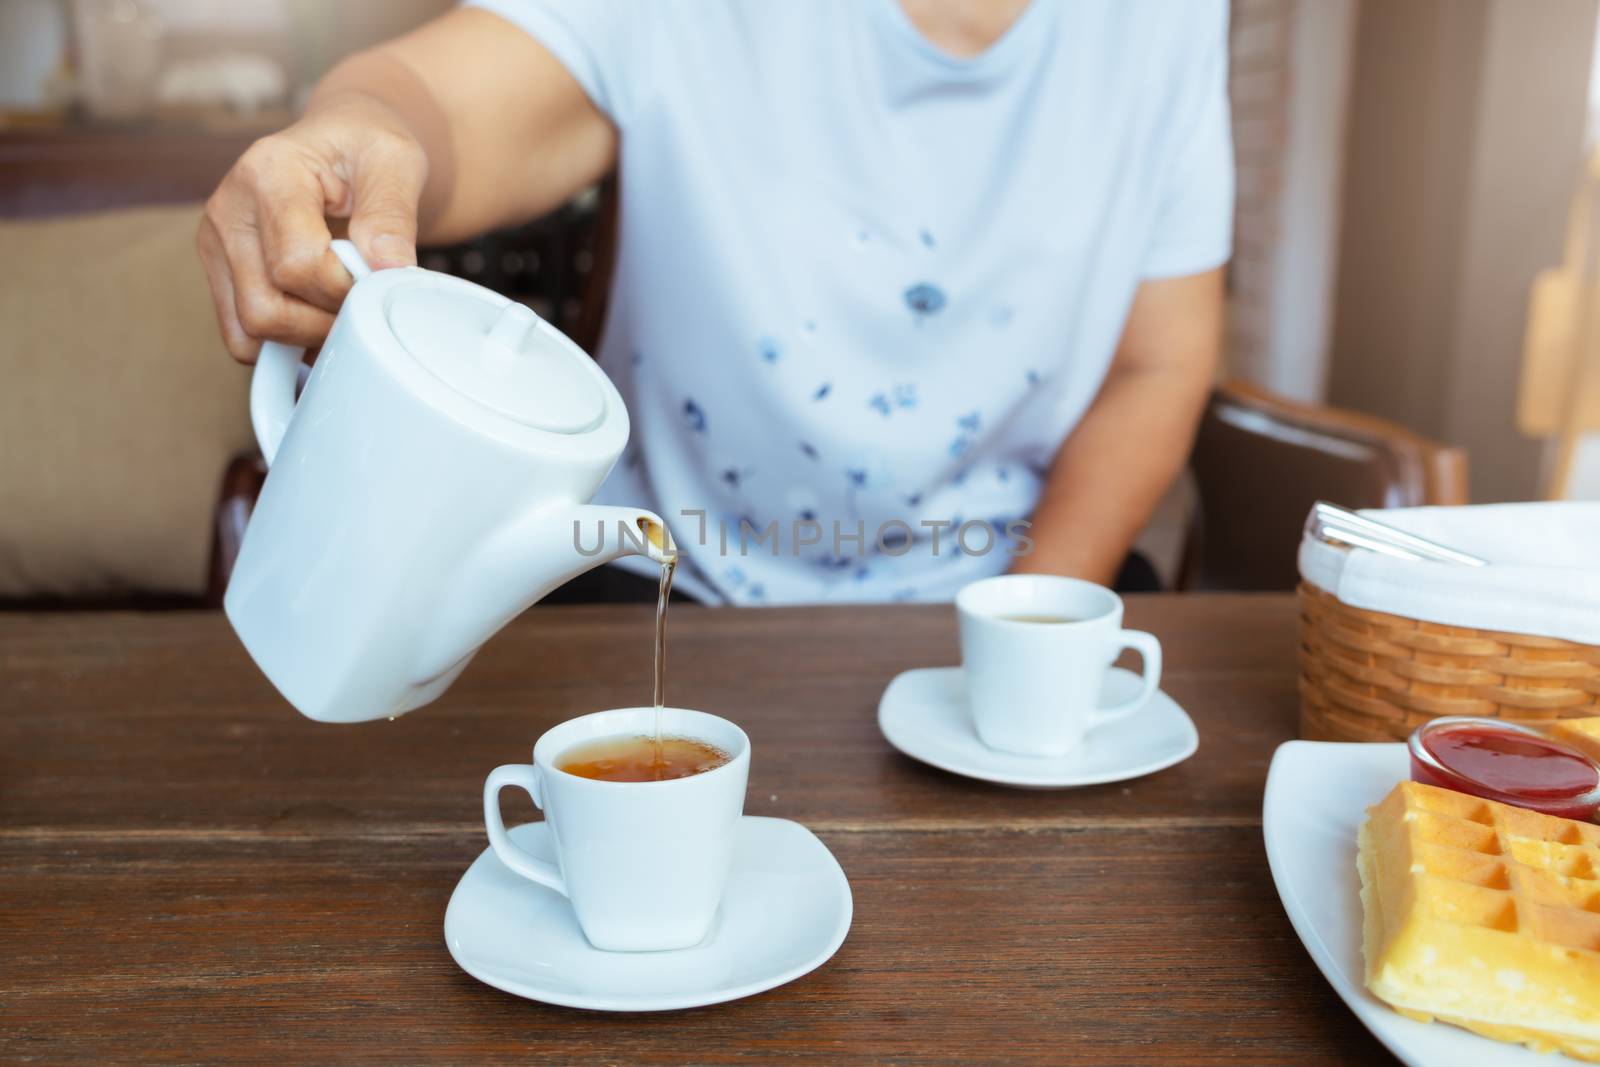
925	299
902	396
695	417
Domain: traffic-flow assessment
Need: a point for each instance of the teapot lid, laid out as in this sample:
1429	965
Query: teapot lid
497	353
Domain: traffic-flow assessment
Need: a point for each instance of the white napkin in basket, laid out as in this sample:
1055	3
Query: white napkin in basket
1543	576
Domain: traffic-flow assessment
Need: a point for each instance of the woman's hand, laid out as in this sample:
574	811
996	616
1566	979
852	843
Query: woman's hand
264	238
428	124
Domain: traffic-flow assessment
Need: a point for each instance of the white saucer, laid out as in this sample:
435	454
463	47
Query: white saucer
924	714
785	912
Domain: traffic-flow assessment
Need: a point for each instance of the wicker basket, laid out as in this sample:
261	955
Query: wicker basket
1367	676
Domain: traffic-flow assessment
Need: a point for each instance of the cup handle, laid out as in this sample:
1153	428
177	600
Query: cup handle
278	372
514	856
1148	647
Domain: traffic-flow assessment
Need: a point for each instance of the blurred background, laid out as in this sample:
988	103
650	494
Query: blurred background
1410	311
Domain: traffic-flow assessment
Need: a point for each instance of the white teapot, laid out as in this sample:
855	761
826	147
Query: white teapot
430	484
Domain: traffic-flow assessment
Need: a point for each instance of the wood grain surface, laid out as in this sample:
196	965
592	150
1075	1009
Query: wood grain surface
191	872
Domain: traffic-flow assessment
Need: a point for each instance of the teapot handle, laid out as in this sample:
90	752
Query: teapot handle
278	371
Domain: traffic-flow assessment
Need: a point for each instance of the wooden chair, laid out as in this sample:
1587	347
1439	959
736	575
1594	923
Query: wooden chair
1260	461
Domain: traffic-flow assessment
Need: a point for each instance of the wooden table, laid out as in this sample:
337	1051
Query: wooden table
190	871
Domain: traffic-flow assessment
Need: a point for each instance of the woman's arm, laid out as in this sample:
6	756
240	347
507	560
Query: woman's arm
523	137
1112	470
467	120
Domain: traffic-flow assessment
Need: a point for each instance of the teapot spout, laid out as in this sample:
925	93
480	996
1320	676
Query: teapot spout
617	532
523	562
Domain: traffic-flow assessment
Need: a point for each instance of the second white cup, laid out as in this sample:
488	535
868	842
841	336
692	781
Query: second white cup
1033	686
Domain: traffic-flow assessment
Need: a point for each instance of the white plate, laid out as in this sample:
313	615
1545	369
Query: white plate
785	912
1318	793
924	714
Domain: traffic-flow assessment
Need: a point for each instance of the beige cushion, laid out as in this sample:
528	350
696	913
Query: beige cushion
119	408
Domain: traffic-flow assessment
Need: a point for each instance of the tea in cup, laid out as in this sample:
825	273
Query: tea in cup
641	759
1035	650
643	837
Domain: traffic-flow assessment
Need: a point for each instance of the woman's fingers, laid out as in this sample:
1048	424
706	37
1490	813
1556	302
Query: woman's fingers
265	241
264	311
265	246
250	306
386	187
294	240
240	345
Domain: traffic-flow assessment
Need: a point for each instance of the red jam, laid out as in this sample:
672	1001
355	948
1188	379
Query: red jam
1505	762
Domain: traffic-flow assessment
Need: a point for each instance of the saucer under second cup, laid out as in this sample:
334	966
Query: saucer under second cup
924	714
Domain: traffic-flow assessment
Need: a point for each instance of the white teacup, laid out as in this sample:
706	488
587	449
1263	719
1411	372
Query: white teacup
1034	687
644	863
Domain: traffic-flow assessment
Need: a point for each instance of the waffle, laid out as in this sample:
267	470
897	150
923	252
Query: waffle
1484	915
1581	734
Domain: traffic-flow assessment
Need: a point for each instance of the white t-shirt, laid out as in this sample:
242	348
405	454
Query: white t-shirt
864	288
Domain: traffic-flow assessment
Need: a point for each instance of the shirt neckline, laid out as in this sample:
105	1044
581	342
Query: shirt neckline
993	59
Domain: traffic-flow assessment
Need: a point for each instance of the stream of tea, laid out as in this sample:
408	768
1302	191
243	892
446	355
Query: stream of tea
664	591
657	756
663	594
